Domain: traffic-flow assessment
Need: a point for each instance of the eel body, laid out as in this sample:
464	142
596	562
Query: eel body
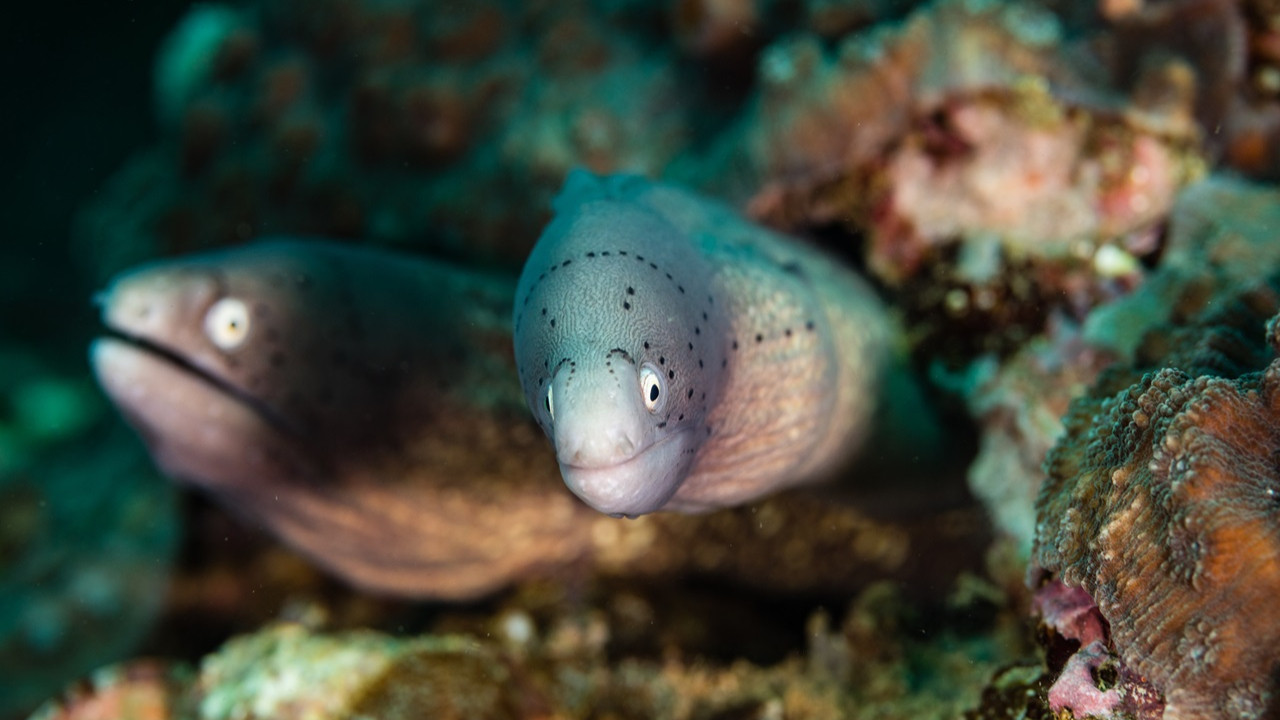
364	407
360	404
682	358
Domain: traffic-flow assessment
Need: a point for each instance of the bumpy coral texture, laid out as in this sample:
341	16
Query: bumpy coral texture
1163	502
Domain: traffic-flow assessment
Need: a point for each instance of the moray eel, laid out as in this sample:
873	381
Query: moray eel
680	357
362	405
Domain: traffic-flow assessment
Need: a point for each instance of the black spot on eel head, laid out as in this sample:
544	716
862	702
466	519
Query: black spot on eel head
624	421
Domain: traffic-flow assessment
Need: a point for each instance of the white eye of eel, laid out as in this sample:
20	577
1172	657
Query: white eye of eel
551	405
651	388
227	323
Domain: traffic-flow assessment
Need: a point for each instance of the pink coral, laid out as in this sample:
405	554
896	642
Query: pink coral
1070	612
1078	691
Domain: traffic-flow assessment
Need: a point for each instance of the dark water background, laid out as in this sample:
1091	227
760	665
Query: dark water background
77	102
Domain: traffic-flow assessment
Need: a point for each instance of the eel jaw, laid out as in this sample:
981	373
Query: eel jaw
197	428
640	484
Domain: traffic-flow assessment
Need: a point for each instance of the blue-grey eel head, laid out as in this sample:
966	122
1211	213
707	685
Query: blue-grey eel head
614	334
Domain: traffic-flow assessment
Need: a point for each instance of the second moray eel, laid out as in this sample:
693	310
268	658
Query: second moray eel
683	358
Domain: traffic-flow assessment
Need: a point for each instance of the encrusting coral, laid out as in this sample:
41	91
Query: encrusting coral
523	662
1161	503
1220	235
988	184
1019	404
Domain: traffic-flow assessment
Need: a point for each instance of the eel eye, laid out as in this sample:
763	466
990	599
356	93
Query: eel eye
651	388
227	323
550	403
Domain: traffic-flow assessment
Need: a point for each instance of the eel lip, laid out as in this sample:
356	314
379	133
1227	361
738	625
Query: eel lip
178	361
194	431
643	483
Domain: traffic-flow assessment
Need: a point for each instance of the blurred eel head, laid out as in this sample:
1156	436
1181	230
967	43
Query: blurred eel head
208	356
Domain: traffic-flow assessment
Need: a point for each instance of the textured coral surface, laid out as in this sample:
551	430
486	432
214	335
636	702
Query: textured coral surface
532	659
1162	503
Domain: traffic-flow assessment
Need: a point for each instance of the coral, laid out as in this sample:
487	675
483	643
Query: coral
286	671
1019	404
1205	37
1232	48
1091	681
389	122
1014	692
1160	503
1231	52
191	57
1252	131
835	18
1077	690
1035	174
992	185
811	126
141	690
562	661
1070	612
813	141
1220	234
792	543
83	565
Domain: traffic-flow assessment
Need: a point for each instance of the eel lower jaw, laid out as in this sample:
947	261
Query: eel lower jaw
176	360
194	429
641	484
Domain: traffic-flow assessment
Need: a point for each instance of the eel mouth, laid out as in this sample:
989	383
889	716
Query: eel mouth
181	363
641	484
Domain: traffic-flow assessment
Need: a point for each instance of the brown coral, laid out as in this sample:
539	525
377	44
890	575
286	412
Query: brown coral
1234	50
566	658
1162	503
988	185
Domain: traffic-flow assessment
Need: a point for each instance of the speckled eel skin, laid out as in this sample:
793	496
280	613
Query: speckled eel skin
682	358
361	404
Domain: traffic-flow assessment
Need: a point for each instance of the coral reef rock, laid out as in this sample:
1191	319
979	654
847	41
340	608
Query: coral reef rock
521	663
1162	504
1220	234
392	122
1019	405
992	186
